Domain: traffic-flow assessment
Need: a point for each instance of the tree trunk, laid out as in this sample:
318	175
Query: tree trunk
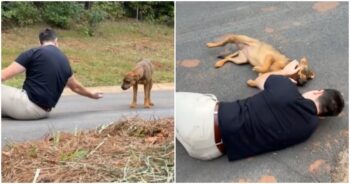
87	5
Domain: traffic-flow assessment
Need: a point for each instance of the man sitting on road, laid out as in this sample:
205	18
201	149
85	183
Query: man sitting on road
275	118
47	73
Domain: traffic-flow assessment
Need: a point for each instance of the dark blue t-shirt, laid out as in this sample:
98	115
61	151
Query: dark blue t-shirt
275	118
47	72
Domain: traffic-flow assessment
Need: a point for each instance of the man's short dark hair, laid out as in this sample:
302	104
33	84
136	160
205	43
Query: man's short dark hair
331	102
47	35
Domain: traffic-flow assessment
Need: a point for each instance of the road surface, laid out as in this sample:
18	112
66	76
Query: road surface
81	113
318	31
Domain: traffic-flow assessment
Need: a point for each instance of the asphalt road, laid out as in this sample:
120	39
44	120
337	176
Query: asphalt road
81	113
317	31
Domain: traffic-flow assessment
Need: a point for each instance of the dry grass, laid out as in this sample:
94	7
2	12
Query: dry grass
132	150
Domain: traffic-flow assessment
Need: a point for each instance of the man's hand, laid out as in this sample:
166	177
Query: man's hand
97	95
291	68
75	86
11	71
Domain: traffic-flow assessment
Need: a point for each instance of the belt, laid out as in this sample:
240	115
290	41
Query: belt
45	108
217	132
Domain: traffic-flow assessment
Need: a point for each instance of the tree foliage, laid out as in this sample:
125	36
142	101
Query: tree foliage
69	14
19	13
61	14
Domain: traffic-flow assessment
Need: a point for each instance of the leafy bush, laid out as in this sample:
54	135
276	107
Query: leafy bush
165	13
66	14
114	10
94	17
62	14
159	12
19	13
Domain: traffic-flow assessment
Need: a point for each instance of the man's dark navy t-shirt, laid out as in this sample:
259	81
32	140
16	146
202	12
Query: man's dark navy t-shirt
47	72
273	119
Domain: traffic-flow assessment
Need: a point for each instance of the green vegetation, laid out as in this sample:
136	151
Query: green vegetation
103	40
68	15
104	59
74	155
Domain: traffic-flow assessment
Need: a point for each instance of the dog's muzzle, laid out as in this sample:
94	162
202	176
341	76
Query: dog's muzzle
125	88
301	82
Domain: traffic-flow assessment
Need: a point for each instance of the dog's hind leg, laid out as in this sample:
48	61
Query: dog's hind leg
265	65
277	66
233	39
149	93
235	54
134	97
237	59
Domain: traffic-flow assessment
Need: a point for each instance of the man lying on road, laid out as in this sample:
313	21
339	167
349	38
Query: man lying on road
275	118
47	73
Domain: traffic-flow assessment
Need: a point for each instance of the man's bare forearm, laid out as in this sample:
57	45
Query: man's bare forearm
290	69
82	91
11	71
78	88
262	78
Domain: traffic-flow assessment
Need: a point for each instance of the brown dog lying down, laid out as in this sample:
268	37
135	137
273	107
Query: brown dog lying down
142	74
262	56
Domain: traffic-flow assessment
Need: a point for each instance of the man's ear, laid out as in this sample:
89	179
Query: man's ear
318	93
56	42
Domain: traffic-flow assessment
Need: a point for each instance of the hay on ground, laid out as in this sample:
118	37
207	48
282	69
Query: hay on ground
131	150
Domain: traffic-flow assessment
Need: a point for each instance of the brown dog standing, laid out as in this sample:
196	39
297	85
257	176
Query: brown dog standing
262	56
142	74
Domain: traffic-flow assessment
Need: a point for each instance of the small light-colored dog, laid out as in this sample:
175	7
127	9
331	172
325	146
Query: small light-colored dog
262	56
142	74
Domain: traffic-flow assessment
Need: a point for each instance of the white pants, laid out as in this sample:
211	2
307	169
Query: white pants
195	124
16	104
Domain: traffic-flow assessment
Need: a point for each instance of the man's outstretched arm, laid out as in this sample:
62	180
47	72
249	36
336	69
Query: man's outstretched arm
78	88
11	71
288	70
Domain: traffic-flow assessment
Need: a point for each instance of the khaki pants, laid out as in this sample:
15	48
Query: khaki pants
195	124
16	104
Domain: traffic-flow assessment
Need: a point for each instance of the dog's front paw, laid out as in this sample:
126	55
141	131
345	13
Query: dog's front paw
133	105
147	106
255	68
251	83
152	104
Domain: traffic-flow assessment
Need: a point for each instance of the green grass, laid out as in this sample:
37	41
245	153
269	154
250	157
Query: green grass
101	60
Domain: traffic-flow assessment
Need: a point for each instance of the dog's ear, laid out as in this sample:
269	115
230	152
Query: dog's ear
312	75
304	61
135	76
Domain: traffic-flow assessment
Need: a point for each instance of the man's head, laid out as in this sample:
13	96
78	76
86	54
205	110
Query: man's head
48	36
329	102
